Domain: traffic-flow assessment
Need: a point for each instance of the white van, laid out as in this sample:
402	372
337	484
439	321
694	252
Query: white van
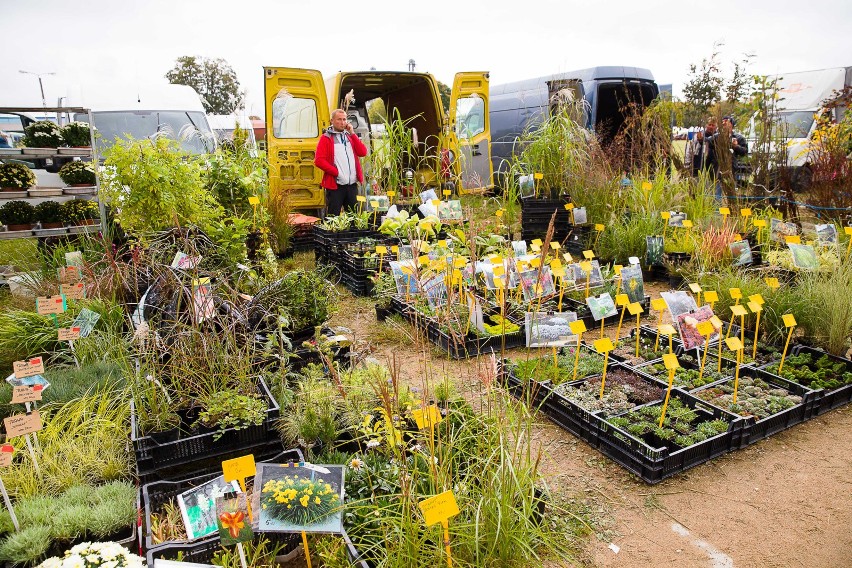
141	112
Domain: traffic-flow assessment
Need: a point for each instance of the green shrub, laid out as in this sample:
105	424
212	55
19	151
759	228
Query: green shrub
48	212
78	173
17	213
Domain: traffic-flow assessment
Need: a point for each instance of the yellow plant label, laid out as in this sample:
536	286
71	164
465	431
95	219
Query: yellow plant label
7	451
734	343
425	226
789	320
577	327
395	249
737	237
439	508
755	307
793	239
695	287
381	249
588	255
51	305
717	323
499	213
659	304
759	223
739	310
745	212
586	266
425	247
599	227
705	328
499	270
391	194
646	186
21	424
447	192
556	264
622	299
73	291
724	210
848	231
711	297
459	262
361	198
499	282
536	242
24	393
736	294
567	256
238	468
374	203
442	243
635	308
24	369
617	269
423	259
604	345
666	214
757	298
687	224
68	333
538	175
666	329
569	206
670	361
254	200
428	417
554	245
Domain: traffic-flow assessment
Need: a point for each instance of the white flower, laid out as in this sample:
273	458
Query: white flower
356	464
373	443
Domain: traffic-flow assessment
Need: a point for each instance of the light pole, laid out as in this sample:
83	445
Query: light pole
40	84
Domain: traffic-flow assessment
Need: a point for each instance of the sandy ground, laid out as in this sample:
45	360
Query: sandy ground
784	502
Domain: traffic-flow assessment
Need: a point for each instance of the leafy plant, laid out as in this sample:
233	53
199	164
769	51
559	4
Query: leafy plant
42	134
16	175
76	211
78	173
822	373
681	425
229	409
49	211
76	134
17	213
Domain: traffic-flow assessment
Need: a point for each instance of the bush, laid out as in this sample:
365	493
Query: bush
78	172
42	134
76	134
17	176
17	213
48	212
78	210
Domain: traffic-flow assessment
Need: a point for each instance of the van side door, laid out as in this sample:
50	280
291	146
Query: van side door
296	112
470	127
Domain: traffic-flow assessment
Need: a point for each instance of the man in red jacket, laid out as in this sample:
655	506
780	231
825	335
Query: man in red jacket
337	155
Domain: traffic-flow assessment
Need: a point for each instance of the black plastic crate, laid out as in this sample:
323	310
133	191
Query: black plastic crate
656	464
158	493
470	345
655	370
757	430
534	393
831	399
167	449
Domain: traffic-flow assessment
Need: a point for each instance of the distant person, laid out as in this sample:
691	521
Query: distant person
338	155
694	153
739	146
713	146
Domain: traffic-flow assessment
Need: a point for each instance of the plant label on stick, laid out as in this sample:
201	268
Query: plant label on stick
25	393
604	346
635	308
428	417
646	186
773	283
24	369
622	300
736	294
672	365
7	452
666	215
73	291
724	211
439	509
711	297
599	227
69	274
239	468
568	258
790	323
569	206
759	223
51	306
22	424
695	288
588	255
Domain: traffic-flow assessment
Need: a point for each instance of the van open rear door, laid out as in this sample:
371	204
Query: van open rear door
471	127
296	113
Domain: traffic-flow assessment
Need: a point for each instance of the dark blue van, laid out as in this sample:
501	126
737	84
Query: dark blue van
518	107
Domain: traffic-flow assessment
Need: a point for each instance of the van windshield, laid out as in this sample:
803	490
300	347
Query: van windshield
190	129
796	124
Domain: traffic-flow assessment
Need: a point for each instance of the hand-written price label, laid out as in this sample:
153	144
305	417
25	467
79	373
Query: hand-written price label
439	508
238	468
21	424
53	305
68	333
73	291
6	453
24	369
69	275
24	393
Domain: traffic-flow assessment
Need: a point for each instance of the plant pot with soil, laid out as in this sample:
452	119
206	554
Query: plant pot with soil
78	174
49	213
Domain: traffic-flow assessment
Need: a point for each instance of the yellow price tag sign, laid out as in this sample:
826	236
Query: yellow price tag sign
793	239
745	212
459	262
569	206
757	298
734	343
711	296
705	328
604	345
588	255
238	468
739	310
556	264
361	198
535	262
435	202
622	299
617	269
439	509
737	237
585	266
789	320
568	258
395	249
499	270
381	249
671	362
716	322
447	192
535	248
646	186
666	329
391	194
599	227
635	308
499	213
687	224
736	294
554	245
499	282
725	211
848	231
755	307
374	203
536	242
254	200
428	417
759	223
577	327
695	287
666	215
538	175
659	304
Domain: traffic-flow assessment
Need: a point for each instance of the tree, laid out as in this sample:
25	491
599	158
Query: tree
445	93
213	79
703	89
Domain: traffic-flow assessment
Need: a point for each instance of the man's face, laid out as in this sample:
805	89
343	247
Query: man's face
339	121
727	126
710	129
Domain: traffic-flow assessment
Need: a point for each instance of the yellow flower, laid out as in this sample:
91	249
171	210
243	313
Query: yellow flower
317	500
304	501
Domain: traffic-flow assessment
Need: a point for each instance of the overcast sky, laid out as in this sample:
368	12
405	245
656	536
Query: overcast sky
102	42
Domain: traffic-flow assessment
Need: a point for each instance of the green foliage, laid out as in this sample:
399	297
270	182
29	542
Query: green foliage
755	397
78	210
42	134
230	235
78	172
16	175
48	211
76	134
825	308
229	409
17	213
26	546
152	186
822	373
234	175
213	79
312	416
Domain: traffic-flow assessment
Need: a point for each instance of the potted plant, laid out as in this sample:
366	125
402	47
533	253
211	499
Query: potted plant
79	212
384	287
78	174
49	213
16	177
42	134
17	215
76	135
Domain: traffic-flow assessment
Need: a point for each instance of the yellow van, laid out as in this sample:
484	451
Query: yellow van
449	148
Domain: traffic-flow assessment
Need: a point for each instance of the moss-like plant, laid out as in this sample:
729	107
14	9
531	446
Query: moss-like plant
27	546
227	409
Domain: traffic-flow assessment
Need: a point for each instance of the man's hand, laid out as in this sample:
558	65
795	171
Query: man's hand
349	127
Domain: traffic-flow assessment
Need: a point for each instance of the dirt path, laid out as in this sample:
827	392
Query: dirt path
784	502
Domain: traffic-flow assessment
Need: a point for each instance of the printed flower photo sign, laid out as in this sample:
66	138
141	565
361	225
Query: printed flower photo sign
232	518
300	497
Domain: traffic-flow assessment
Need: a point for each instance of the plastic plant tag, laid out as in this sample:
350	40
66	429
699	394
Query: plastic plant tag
736	294
666	329
586	266
755	307
428	417
757	298
646	186
622	299
7	451
361	198
538	175
52	305
439	509
635	308
395	249
848	231
381	249
759	223
789	320
745	212
724	211
604	345
717	323
24	369
239	468
442	243
739	310
665	215
459	262
499	270
554	245
588	255
495	259
711	296
617	269
734	343
567	256
599	227
705	328
670	361
253	200
569	206
68	333
577	327
695	287
659	304
391	194
793	239
535	262
447	192
687	224
21	424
